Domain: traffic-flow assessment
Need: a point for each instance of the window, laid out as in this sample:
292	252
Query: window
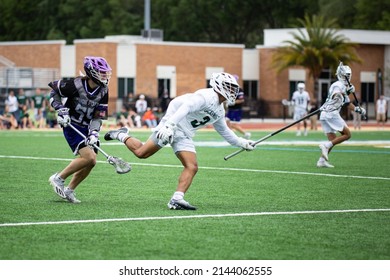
163	85
125	85
368	92
251	90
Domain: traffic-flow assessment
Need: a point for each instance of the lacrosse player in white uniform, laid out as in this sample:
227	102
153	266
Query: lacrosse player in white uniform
85	106
300	100
186	114
331	120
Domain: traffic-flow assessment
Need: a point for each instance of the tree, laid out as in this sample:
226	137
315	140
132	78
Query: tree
315	47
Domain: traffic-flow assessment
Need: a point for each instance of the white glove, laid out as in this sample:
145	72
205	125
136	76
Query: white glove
350	89
165	134
63	118
93	138
247	145
285	102
360	110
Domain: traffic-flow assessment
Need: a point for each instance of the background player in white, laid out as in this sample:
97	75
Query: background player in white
86	105
300	100
381	110
186	114
331	121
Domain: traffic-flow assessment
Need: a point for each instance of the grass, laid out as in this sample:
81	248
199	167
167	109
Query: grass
250	207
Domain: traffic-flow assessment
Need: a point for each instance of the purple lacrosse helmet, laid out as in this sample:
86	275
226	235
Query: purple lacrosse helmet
97	69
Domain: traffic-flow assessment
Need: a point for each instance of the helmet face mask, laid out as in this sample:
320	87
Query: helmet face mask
301	87
98	70
225	85
344	74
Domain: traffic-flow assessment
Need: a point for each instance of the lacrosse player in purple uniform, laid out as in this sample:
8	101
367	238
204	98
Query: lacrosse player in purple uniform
331	121
186	114
85	106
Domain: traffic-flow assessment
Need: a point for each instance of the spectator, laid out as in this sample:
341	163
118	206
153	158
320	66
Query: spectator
140	105
38	102
313	119
51	118
149	118
164	101
123	118
381	110
13	108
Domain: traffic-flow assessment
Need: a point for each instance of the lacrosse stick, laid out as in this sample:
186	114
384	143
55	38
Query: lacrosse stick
353	93
120	165
274	133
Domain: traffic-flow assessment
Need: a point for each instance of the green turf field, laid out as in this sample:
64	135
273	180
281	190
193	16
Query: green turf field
269	204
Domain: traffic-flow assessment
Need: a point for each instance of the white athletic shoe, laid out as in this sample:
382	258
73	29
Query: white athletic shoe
305	133
247	135
113	134
58	185
324	151
298	133
70	195
181	204
324	163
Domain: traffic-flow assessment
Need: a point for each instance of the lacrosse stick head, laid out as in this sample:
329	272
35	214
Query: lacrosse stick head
120	165
344	73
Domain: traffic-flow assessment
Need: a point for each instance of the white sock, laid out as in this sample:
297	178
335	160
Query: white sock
178	195
329	144
122	137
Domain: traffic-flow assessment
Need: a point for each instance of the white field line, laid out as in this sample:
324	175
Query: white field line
277	143
220	168
194	217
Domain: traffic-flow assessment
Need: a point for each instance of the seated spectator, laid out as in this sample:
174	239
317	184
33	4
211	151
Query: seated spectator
123	118
51	117
149	118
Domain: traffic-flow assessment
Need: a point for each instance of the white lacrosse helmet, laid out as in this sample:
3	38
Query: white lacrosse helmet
301	87
226	85
343	73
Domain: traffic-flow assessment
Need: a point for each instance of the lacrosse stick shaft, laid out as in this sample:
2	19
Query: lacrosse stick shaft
82	135
354	96
274	133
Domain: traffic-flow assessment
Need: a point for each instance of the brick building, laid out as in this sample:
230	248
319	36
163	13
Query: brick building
149	67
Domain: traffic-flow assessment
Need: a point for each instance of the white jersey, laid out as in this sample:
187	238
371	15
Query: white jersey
335	88
193	111
301	100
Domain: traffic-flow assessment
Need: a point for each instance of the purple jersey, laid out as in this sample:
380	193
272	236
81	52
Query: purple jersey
82	101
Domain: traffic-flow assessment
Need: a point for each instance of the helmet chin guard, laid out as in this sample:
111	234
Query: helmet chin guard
98	70
226	85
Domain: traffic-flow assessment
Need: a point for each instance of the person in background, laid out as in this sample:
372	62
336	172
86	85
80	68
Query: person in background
13	108
300	100
381	110
234	113
149	118
140	105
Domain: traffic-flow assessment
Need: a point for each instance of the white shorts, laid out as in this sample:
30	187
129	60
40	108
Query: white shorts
332	123
180	143
299	114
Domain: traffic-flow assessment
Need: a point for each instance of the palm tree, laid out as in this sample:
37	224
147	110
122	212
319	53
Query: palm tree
317	46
